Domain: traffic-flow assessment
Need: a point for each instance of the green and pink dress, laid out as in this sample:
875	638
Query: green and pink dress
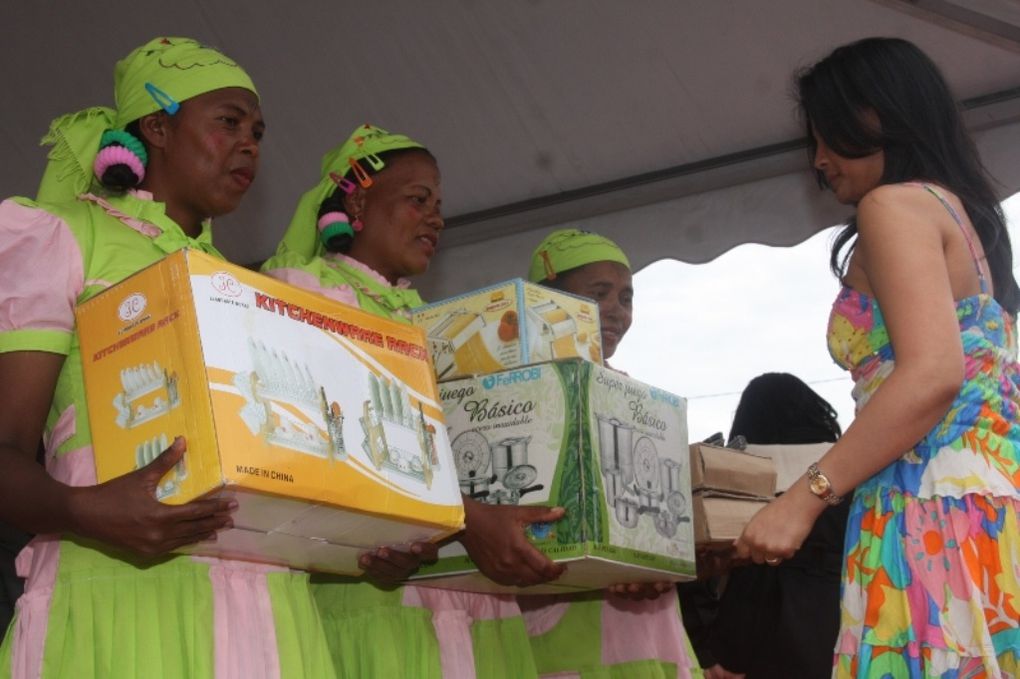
89	611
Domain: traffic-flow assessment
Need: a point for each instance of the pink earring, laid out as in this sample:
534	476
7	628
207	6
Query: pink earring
357	224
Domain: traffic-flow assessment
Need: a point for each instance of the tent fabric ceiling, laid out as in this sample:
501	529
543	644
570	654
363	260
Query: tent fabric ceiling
666	123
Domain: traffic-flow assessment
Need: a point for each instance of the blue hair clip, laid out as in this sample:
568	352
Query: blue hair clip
164	100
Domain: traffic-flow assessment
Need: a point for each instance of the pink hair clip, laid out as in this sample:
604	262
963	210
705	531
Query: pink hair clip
346	185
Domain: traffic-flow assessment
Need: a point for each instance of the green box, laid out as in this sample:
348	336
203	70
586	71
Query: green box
611	450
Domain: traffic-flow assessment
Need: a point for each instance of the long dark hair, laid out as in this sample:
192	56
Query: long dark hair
335	201
920	131
782	408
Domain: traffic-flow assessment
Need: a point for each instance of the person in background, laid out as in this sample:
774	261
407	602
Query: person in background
925	323
630	629
780	622
373	220
104	598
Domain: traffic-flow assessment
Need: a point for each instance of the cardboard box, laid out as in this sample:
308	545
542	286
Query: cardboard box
791	460
323	421
508	325
719	518
732	471
611	450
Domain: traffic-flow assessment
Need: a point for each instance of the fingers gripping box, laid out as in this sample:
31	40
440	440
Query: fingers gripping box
609	449
323	421
507	325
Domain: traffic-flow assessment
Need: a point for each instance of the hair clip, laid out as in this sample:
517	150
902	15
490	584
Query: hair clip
164	100
375	161
550	271
360	173
345	184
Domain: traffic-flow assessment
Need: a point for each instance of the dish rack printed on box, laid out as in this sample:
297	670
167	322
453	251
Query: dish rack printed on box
497	473
147	451
397	437
139	382
277	392
637	481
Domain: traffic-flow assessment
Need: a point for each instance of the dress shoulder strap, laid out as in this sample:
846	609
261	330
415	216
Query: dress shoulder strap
966	234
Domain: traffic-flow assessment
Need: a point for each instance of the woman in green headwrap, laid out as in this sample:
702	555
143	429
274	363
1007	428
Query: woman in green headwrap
124	188
372	221
630	630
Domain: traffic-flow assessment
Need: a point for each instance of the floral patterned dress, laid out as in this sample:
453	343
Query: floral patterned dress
931	574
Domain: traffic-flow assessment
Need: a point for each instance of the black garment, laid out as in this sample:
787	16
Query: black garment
699	604
11	586
782	621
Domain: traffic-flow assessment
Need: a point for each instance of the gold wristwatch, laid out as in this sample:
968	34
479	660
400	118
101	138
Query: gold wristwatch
820	486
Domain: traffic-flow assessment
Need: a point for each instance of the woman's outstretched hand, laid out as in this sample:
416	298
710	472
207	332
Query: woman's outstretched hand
495	541
125	513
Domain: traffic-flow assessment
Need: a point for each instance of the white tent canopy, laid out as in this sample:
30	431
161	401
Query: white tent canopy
666	124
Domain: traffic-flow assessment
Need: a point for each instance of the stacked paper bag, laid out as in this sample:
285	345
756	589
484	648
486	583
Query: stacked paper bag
730	486
791	461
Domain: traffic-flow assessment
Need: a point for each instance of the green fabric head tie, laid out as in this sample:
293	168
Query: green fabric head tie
167	71
127	140
179	68
365	143
566	249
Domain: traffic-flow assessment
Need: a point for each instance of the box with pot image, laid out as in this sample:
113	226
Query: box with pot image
610	450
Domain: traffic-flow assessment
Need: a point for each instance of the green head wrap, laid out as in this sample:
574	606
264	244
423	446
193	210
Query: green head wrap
362	147
160	74
566	249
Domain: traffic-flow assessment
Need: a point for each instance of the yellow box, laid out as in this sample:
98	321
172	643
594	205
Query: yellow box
323	421
508	325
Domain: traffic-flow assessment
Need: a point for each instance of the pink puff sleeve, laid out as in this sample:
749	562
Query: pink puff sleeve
41	276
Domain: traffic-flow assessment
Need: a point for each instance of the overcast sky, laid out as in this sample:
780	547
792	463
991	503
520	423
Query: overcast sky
703	331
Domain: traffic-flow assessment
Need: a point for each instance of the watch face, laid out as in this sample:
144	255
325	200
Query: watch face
819	485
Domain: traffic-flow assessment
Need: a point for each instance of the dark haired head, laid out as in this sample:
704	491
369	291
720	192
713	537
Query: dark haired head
919	130
781	408
336	202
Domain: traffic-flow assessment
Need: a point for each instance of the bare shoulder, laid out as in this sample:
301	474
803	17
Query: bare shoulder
910	207
900	196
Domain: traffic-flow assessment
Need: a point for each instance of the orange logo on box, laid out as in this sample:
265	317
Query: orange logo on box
132	307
